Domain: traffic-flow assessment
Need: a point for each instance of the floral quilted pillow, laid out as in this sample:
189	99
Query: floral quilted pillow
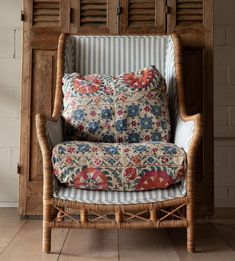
130	108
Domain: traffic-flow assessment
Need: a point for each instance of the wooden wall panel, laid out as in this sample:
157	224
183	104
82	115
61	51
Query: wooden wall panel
43	80
193	57
38	81
34	198
193	21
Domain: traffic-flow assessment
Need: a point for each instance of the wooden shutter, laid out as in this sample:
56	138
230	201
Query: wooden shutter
142	16
193	21
189	18
46	19
43	23
189	12
93	16
46	14
94	13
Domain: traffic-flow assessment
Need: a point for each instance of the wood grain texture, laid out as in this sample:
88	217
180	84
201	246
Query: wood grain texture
142	17
27	244
90	245
197	40
25	112
210	245
145	245
40	44
223	222
189	12
93	16
10	225
43	77
24	243
46	14
227	232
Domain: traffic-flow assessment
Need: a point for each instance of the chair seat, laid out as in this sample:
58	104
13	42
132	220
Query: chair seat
177	190
118	166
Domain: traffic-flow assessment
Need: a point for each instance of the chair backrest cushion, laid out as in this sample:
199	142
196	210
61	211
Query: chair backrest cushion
131	107
115	54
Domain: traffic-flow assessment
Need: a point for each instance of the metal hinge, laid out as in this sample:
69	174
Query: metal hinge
18	169
168	9
71	16
22	16
118	10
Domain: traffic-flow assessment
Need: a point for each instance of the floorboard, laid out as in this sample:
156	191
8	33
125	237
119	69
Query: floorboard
90	245
209	244
21	240
223	222
10	225
227	232
146	244
26	245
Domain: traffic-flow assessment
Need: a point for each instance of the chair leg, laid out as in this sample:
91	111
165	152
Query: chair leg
46	232
190	229
190	239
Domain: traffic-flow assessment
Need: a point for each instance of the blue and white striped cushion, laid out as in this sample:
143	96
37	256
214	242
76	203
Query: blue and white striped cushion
113	197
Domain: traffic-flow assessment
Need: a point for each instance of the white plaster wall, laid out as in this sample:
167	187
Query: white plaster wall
10	80
224	102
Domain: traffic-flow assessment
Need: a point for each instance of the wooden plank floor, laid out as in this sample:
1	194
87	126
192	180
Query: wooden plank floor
21	240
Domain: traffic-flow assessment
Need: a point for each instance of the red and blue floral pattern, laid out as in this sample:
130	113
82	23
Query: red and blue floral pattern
120	167
131	107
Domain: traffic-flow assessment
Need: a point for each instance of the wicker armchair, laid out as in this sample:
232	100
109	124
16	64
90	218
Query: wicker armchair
66	207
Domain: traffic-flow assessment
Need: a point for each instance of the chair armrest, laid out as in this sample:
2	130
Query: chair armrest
188	132
46	150
49	133
54	131
52	127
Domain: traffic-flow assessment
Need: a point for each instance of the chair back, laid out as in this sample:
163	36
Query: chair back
114	55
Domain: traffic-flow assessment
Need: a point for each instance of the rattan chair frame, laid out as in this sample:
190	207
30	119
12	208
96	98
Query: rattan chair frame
59	213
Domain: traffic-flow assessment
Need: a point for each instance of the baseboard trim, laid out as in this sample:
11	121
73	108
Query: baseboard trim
8	204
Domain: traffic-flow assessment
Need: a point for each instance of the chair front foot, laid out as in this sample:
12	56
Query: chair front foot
46	239
190	239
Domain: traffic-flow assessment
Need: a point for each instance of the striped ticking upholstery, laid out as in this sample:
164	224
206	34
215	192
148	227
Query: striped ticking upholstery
114	197
114	55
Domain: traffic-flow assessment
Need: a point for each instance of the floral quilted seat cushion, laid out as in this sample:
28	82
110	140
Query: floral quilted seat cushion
118	167
131	107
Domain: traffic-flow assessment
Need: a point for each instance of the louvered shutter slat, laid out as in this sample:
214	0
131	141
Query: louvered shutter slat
93	13
189	12
141	13
46	14
142	16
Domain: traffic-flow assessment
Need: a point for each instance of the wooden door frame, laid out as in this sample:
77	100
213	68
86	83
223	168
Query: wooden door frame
202	37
